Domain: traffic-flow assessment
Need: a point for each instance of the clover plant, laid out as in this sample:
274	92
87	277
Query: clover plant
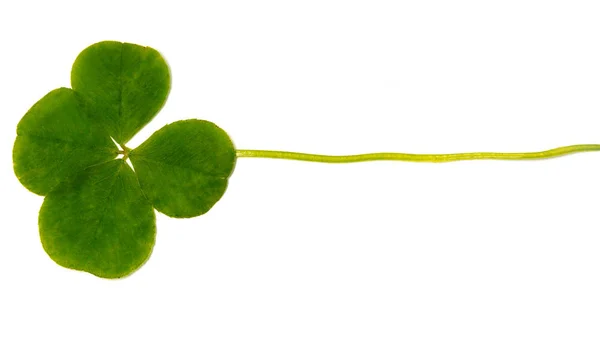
98	212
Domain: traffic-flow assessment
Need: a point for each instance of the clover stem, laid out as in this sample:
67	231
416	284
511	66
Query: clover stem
434	158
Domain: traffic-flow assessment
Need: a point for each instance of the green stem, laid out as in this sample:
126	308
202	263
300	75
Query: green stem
396	156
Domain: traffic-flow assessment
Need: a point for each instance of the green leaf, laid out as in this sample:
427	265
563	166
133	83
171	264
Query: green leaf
99	222
183	168
98	215
56	139
124	85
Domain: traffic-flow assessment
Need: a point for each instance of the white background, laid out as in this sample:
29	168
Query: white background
466	254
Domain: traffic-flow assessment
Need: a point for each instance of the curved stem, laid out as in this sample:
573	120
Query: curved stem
436	158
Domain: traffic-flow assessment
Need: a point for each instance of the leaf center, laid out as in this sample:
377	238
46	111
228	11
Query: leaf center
123	150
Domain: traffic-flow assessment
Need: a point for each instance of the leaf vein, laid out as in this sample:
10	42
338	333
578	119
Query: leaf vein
203	173
65	141
120	98
106	206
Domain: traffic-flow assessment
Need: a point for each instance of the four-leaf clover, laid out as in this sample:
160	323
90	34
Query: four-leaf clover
98	212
